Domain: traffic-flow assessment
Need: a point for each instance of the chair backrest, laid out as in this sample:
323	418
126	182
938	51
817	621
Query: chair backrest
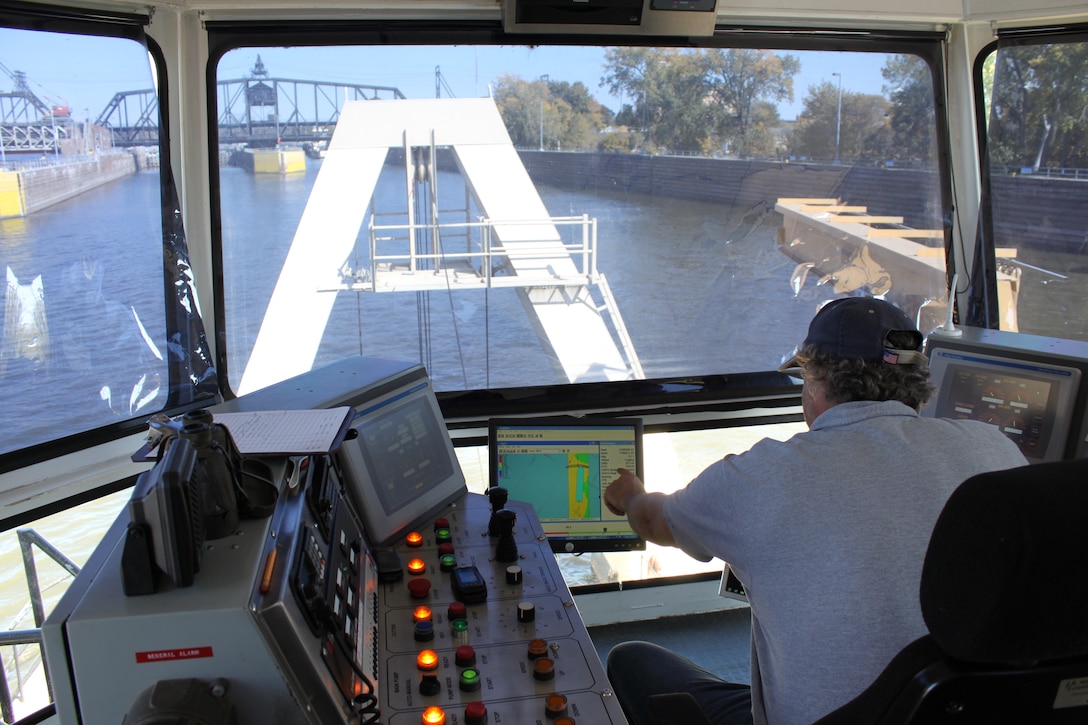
1004	594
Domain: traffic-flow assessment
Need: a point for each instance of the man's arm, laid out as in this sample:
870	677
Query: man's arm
627	496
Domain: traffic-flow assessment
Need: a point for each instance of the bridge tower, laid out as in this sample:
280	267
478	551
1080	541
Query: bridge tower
261	106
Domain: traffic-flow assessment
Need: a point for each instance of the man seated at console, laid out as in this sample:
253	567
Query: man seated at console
827	531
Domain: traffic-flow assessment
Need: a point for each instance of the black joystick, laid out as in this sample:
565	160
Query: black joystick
498	496
502	526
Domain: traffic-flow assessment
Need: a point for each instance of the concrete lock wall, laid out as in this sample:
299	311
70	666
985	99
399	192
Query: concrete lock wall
26	191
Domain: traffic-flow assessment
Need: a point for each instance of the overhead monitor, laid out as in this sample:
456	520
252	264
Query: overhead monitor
561	466
1031	401
398	462
609	17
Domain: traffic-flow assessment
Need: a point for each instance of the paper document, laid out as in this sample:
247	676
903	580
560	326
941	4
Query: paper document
287	432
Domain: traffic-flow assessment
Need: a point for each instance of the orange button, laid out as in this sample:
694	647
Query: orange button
537	649
555	705
543	669
434	716
269	568
427	660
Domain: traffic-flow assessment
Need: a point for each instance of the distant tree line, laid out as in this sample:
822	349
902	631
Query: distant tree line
723	101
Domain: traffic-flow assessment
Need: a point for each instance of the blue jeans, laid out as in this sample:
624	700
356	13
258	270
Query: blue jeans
638	670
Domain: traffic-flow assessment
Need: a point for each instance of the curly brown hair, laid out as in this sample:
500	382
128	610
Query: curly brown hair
848	380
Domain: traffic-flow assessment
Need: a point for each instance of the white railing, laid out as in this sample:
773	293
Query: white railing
25	645
481	251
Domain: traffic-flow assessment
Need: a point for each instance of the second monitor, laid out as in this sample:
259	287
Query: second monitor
561	467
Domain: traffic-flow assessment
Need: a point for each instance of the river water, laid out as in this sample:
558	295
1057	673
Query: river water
702	290
702	287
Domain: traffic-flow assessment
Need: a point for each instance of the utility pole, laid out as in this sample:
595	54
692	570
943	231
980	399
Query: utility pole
838	119
544	79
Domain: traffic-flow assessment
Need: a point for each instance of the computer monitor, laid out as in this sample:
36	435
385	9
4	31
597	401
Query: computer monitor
1030	400
561	466
397	461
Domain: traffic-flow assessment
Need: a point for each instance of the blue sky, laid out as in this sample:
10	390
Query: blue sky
468	70
86	72
82	71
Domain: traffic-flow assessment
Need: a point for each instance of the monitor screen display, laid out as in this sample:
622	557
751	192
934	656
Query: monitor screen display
1029	401
398	461
561	467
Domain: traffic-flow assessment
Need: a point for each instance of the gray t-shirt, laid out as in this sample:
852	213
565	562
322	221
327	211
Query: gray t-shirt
828	531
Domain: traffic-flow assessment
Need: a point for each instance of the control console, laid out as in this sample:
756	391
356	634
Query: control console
375	590
464	619
468	636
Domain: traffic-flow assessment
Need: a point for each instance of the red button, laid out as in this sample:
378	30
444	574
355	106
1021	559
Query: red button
456	610
465	656
475	713
419	588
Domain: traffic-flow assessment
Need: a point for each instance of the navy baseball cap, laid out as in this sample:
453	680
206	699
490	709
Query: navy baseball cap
856	328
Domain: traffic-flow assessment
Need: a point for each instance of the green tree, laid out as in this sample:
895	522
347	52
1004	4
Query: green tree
578	116
1039	105
698	100
663	87
685	118
521	104
759	139
745	85
550	114
861	131
911	117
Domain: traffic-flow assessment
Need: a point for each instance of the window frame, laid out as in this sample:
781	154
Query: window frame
668	403
109	24
982	307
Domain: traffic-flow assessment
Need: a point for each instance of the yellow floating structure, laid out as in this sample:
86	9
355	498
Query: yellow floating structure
278	161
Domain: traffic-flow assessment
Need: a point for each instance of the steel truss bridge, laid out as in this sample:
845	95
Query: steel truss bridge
258	111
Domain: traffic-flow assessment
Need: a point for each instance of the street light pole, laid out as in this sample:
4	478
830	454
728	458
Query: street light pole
543	79
838	119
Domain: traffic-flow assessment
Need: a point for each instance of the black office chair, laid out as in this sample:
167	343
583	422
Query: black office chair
1004	594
